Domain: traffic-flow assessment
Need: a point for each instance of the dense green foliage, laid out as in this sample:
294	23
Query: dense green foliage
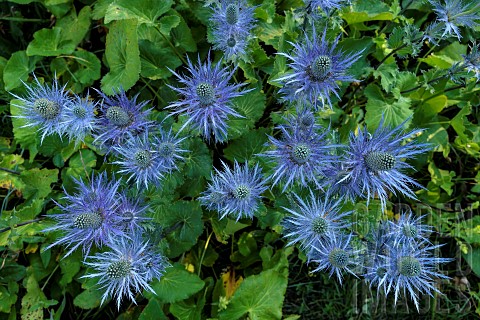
224	269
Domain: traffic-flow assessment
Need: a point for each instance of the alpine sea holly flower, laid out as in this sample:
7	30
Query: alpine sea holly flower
139	158
168	148
334	254
207	98
89	216
313	6
408	230
376	161
44	107
301	155
313	221
239	193
304	120
455	13
79	118
232	22
122	271
316	69
132	213
412	269
121	118
472	60
216	194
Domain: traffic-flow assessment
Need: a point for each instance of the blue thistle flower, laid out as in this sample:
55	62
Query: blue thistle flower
314	221
334	254
132	213
313	6
455	13
44	107
316	69
239	193
472	60
139	158
412	269
232	22
123	271
375	161
79	118
409	231
207	98
300	154
304	120
121	118
90	216
169	151
339	184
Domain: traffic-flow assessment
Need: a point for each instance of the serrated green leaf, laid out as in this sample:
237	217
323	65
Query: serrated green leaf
88	299
367	10
198	162
34	301
123	57
388	75
259	296
74	26
153	310
182	36
26	137
88	67
70	266
17	69
144	11
247	146
176	285
50	42
394	112
442	178
37	182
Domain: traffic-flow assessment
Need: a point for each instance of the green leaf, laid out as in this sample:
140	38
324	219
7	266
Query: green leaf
176	285
245	147
367	10
198	162
153	310
74	26
123	57
156	59
144	11
79	166
251	107
50	42
182	36
394	112
17	69
473	259
442	178
88	299
37	182
88	67
429	109
34	301
387	74
70	266
186	219
260	296
26	137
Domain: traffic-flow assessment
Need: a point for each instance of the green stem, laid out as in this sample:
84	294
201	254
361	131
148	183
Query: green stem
442	92
171	45
23	19
22	224
10	171
203	253
421	85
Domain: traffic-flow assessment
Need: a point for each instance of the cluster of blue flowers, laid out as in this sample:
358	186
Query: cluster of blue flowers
398	257
101	214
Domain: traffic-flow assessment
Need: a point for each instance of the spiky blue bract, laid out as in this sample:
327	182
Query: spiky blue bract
454	13
314	6
232	22
79	118
412	269
317	67
43	107
169	149
300	155
337	183
472	60
89	216
207	98
304	120
375	162
122	271
235	192
313	221
335	254
120	119
139	158
132	213
408	230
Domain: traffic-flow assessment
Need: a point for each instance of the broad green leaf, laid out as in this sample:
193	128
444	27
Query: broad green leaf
429	109
144	11
9	296
394	112
74	26
259	296
17	69
182	36
367	10
458	122
442	178
88	299
79	166
100	8
88	67
176	285
156	59
473	259
153	310
198	162
50	42
188	310
122	55
37	182
251	106
70	266
247	146
25	136
388	75
3	63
